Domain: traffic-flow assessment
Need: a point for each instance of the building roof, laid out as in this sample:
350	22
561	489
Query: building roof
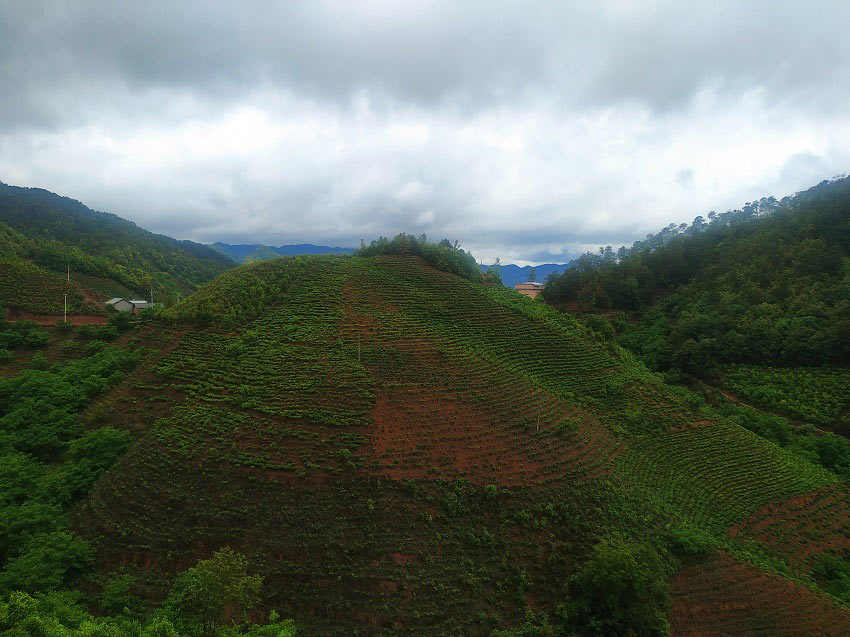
533	284
136	302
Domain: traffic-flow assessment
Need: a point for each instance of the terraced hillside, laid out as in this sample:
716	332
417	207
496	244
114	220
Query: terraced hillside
401	451
30	288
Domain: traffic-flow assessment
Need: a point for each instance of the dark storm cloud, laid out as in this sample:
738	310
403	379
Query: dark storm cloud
521	128
426	52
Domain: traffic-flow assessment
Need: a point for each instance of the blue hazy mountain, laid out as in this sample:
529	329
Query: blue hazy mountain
513	274
245	253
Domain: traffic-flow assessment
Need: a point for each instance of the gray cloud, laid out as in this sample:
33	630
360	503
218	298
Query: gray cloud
469	53
524	129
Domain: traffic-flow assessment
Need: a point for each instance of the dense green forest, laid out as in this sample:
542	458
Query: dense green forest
113	255
768	284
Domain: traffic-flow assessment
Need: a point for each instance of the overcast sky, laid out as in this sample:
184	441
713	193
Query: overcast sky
526	130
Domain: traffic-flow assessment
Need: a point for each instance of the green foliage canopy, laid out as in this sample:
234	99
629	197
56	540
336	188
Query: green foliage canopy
202	596
621	591
445	255
767	284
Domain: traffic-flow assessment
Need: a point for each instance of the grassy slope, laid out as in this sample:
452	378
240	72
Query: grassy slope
26	286
340	423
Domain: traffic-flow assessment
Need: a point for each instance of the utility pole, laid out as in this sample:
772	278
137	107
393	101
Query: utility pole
69	273
66	308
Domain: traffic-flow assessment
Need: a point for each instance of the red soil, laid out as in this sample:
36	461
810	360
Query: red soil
442	413
427	426
401	558
721	596
803	526
13	314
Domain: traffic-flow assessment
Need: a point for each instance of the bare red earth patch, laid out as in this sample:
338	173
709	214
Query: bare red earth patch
721	596
803	526
440	415
440	412
51	319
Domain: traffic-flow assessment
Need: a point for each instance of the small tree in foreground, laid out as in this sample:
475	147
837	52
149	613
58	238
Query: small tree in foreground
215	590
621	591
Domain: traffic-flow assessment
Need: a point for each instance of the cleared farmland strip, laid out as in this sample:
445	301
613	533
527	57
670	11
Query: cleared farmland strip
720	596
716	474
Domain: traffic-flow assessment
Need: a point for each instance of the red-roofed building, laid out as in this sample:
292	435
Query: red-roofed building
531	288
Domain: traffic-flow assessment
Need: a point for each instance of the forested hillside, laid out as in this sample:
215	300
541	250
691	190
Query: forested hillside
372	445
755	302
767	284
43	236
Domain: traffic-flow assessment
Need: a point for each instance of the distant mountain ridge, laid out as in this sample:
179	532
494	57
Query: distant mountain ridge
249	252
513	274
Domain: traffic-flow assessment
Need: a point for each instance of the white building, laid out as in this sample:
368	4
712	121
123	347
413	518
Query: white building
128	305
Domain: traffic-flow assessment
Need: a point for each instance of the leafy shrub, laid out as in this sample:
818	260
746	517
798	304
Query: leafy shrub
444	255
107	332
200	596
93	347
622	590
19	475
834	453
121	321
116	596
833	574
19	523
48	561
39	361
23	334
453	504
687	541
599	325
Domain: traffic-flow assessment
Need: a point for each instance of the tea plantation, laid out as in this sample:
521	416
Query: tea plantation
397	450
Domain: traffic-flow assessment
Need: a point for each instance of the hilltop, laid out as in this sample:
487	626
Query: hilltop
400	450
44	235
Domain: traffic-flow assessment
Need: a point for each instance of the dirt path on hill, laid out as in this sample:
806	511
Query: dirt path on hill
51	319
739	401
